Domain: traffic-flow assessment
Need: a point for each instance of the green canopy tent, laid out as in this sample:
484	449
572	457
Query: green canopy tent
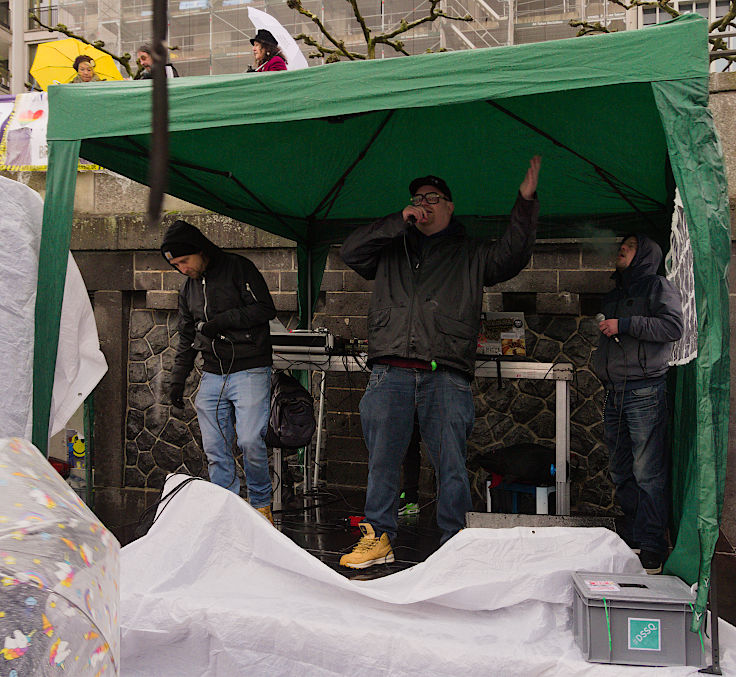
619	119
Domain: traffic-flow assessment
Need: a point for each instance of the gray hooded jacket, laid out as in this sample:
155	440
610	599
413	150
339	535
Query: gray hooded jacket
649	313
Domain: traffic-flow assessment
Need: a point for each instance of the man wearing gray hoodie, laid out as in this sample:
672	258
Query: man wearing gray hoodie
642	317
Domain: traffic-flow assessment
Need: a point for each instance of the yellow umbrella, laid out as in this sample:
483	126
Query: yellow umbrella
54	62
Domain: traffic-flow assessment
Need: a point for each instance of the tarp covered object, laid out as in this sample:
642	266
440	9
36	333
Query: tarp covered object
58	574
79	362
20	233
215	590
618	118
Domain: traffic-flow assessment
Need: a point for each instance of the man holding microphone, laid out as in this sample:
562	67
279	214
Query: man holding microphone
422	337
641	319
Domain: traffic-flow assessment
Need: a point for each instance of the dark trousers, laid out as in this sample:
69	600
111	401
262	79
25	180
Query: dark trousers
443	402
636	436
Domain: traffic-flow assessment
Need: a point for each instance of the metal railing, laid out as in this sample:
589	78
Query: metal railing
48	14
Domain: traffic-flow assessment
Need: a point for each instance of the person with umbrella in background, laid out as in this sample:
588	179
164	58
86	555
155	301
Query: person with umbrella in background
85	67
57	62
267	53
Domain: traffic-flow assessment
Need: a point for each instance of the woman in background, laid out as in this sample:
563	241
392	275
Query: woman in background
267	53
85	67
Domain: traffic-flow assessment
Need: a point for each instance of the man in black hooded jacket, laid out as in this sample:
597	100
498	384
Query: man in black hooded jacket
642	318
224	313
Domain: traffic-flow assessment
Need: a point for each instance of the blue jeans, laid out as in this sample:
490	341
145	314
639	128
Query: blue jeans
241	403
444	405
635	425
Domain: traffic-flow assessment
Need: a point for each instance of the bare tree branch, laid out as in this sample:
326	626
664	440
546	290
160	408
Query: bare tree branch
717	43
587	28
322	50
339	44
123	60
371	40
361	21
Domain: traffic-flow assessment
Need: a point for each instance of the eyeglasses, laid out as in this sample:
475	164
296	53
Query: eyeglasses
429	198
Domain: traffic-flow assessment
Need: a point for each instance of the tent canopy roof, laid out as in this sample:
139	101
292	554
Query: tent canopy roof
307	154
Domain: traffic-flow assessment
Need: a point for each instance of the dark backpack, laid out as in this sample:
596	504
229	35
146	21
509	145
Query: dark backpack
291	423
526	463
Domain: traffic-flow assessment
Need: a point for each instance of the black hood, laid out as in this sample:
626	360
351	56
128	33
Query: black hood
646	262
183	233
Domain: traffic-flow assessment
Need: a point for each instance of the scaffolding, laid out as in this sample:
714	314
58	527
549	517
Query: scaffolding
212	36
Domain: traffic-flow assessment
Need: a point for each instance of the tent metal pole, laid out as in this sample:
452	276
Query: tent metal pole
159	151
320	419
309	288
715	667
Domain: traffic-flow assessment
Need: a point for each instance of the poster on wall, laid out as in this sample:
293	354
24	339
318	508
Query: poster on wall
23	123
502	334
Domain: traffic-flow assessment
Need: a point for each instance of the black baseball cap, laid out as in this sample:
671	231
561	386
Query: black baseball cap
430	180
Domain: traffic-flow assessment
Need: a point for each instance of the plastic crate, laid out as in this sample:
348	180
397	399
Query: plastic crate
648	617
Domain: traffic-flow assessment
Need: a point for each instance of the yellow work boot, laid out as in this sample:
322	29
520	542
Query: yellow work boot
369	550
266	512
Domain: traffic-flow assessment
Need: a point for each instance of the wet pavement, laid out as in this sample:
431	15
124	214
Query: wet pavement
321	525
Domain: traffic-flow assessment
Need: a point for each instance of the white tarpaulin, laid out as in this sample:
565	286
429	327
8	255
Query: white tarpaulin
214	591
79	362
20	234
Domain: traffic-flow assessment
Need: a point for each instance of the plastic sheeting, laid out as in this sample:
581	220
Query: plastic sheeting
80	364
58	574
20	233
214	590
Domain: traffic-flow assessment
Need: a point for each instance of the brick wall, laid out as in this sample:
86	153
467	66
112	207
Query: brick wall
560	292
561	278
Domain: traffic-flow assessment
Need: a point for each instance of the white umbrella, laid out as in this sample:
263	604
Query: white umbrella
289	46
59	570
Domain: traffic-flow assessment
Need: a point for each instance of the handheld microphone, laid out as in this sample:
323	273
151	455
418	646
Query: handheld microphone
411	220
600	317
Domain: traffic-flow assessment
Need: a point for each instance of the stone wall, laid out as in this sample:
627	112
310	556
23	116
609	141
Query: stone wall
134	299
572	279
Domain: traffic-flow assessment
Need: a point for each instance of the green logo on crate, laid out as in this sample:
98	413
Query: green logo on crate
644	634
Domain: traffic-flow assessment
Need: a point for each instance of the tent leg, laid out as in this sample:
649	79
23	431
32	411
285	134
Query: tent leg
309	289
715	667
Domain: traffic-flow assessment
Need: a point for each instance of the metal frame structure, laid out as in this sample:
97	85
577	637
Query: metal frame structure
560	372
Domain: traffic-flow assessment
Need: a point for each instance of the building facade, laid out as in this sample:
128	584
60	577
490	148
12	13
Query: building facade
212	36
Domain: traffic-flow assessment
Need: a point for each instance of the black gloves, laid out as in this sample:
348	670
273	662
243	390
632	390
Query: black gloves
214	327
176	395
208	329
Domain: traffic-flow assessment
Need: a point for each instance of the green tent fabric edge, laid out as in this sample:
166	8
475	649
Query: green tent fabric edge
53	256
696	158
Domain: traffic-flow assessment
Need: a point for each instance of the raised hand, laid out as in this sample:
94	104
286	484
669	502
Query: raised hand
529	185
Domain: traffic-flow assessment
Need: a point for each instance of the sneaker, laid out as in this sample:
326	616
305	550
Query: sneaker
407	507
651	561
266	512
369	550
